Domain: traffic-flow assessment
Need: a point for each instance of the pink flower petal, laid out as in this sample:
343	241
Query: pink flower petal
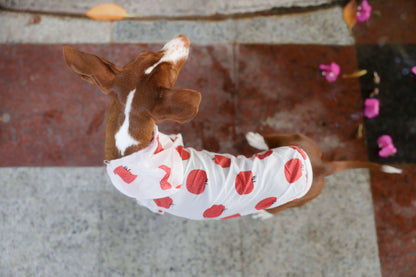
364	11
414	70
372	107
387	151
384	140
330	71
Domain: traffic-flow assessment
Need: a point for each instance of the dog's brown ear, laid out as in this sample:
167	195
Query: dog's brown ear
92	68
180	105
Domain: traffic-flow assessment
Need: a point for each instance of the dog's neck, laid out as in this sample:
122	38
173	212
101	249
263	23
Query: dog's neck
126	132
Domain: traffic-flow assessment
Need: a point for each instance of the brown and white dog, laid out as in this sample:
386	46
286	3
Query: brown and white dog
141	165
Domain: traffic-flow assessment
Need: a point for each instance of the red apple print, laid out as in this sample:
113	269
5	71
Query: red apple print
214	211
159	146
231	216
184	154
262	156
265	203
222	161
244	182
125	174
196	181
165	202
293	170
164	184
300	151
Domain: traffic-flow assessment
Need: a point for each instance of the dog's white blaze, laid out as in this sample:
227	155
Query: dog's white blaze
123	138
390	169
175	50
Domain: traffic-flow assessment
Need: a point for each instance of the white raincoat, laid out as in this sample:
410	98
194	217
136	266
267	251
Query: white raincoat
166	177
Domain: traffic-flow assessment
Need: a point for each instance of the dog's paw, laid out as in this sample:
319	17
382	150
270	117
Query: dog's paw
262	215
256	140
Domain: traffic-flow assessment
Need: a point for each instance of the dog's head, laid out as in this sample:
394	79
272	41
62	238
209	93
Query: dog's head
152	77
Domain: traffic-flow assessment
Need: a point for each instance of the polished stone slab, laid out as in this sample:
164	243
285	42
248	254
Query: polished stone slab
56	119
397	86
395	211
281	89
391	22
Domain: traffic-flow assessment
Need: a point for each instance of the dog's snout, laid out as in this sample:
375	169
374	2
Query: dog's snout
175	51
185	40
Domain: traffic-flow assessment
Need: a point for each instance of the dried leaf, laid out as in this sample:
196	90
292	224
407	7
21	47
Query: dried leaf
107	11
350	14
355	74
360	131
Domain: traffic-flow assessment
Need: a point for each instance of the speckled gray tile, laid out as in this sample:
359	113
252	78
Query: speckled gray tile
334	235
137	242
49	222
16	28
161	30
163	8
72	222
319	27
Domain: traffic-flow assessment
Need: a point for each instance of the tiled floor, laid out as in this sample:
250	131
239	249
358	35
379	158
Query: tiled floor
51	118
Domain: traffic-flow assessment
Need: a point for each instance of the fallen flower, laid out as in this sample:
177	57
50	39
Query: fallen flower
363	11
330	71
372	107
376	78
375	92
387	151
385	142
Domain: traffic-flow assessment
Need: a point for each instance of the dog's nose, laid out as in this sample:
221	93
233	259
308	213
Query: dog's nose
185	40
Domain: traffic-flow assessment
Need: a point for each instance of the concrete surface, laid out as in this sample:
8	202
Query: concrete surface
160	8
321	27
56	222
